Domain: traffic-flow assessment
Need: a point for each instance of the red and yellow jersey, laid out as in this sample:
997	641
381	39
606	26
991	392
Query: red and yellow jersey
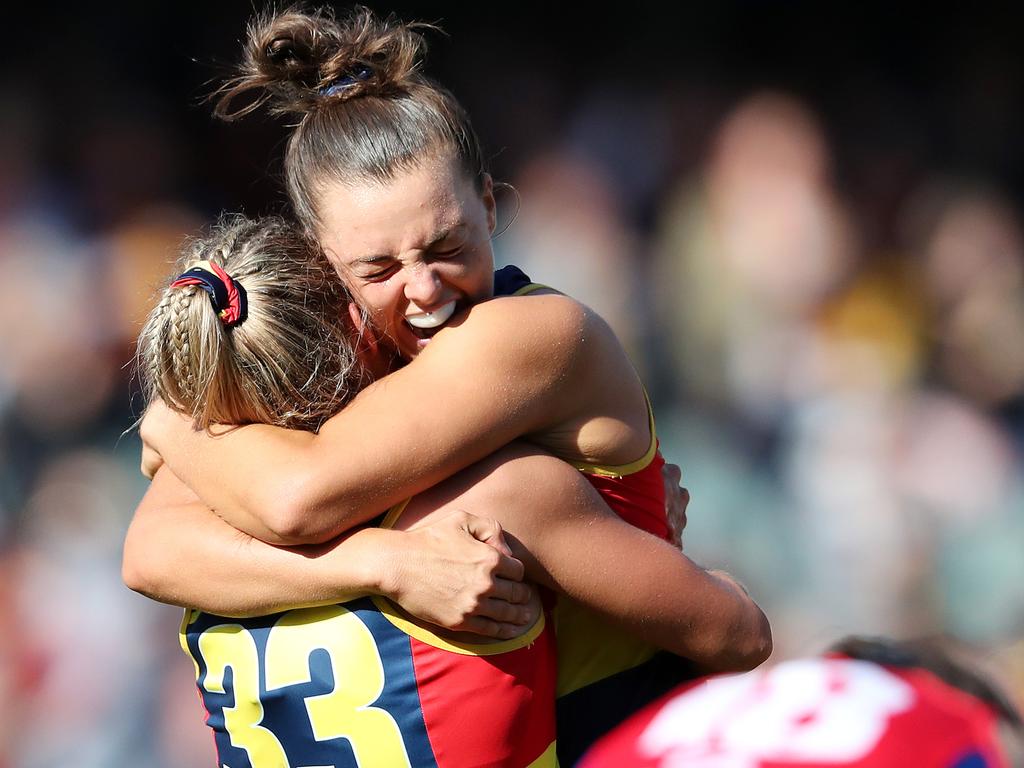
605	674
812	713
602	683
359	685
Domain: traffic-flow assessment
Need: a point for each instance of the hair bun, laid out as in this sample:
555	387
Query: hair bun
296	60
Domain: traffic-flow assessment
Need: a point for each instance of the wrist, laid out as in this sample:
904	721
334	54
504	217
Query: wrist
378	563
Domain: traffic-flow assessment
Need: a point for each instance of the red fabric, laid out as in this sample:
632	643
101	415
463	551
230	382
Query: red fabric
824	717
233	311
460	697
639	498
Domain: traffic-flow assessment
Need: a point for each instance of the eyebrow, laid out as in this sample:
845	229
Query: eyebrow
436	238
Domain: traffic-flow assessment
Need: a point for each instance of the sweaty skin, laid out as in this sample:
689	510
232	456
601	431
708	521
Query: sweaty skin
543	368
556	525
575	395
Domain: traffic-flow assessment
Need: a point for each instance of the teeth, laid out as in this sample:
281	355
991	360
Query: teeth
432	319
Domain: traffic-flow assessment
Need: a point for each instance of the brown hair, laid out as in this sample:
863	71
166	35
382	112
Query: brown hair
290	362
938	658
366	112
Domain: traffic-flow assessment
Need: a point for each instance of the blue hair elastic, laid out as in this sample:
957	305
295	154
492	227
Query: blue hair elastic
346	82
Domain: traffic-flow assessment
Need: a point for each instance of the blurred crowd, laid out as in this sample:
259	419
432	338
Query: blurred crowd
825	296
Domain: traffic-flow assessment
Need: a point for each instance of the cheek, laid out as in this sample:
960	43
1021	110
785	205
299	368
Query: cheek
377	298
480	272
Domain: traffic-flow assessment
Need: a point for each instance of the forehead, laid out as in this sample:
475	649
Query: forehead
389	218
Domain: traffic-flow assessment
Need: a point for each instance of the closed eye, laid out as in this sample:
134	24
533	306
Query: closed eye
382	274
448	253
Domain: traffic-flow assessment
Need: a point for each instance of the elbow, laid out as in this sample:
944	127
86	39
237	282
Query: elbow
296	524
758	646
290	510
298	518
137	570
744	644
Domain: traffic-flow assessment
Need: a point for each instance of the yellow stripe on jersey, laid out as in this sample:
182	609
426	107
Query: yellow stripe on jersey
547	760
621	470
425	635
533	288
190	616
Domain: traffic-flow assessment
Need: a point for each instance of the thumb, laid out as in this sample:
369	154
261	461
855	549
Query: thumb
488	531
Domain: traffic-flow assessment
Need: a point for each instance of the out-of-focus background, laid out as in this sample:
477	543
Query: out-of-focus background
805	227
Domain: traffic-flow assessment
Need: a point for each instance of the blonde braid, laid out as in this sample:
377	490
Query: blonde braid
289	363
178	339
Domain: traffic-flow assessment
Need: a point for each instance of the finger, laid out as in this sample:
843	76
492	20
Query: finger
509	567
506	613
507	591
487	530
479	625
674	474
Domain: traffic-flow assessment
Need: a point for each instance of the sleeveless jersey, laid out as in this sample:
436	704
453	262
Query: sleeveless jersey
812	713
602	683
357	685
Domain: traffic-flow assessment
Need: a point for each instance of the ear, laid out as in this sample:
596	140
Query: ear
490	205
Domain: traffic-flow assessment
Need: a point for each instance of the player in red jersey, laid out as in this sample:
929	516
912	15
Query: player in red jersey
360	682
385	171
868	704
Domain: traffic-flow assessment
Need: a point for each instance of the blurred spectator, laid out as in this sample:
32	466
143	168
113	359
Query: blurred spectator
777	222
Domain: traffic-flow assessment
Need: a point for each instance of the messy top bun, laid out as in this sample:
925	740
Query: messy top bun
366	111
297	61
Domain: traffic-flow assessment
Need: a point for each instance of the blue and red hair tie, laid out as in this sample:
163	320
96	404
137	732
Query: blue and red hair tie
228	297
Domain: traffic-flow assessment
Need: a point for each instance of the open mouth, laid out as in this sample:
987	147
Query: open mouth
426	324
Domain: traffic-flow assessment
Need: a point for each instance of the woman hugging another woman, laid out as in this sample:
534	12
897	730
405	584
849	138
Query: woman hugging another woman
387	179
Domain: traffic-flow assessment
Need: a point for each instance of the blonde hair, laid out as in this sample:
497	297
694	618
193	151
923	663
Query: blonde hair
289	363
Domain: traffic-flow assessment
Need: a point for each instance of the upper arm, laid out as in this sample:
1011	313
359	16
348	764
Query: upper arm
512	367
570	541
505	371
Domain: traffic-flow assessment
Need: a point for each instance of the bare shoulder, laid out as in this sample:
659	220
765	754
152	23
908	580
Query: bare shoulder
551	316
552	329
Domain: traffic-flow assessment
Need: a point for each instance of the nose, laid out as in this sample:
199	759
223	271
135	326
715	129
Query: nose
423	286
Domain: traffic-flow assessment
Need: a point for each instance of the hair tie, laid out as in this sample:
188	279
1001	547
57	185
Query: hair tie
228	297
346	82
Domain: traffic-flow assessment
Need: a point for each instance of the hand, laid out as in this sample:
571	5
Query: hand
677	499
459	573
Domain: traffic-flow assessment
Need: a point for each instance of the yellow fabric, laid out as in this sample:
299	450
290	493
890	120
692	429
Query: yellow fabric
547	760
591	649
533	288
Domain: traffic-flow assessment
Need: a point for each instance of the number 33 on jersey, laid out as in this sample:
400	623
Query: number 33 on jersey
358	686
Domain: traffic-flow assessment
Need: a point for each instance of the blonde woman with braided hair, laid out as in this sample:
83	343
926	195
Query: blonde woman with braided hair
255	329
385	172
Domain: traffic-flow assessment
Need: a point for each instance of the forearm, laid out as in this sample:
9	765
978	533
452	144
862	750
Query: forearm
577	546
389	443
181	553
253	476
656	593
